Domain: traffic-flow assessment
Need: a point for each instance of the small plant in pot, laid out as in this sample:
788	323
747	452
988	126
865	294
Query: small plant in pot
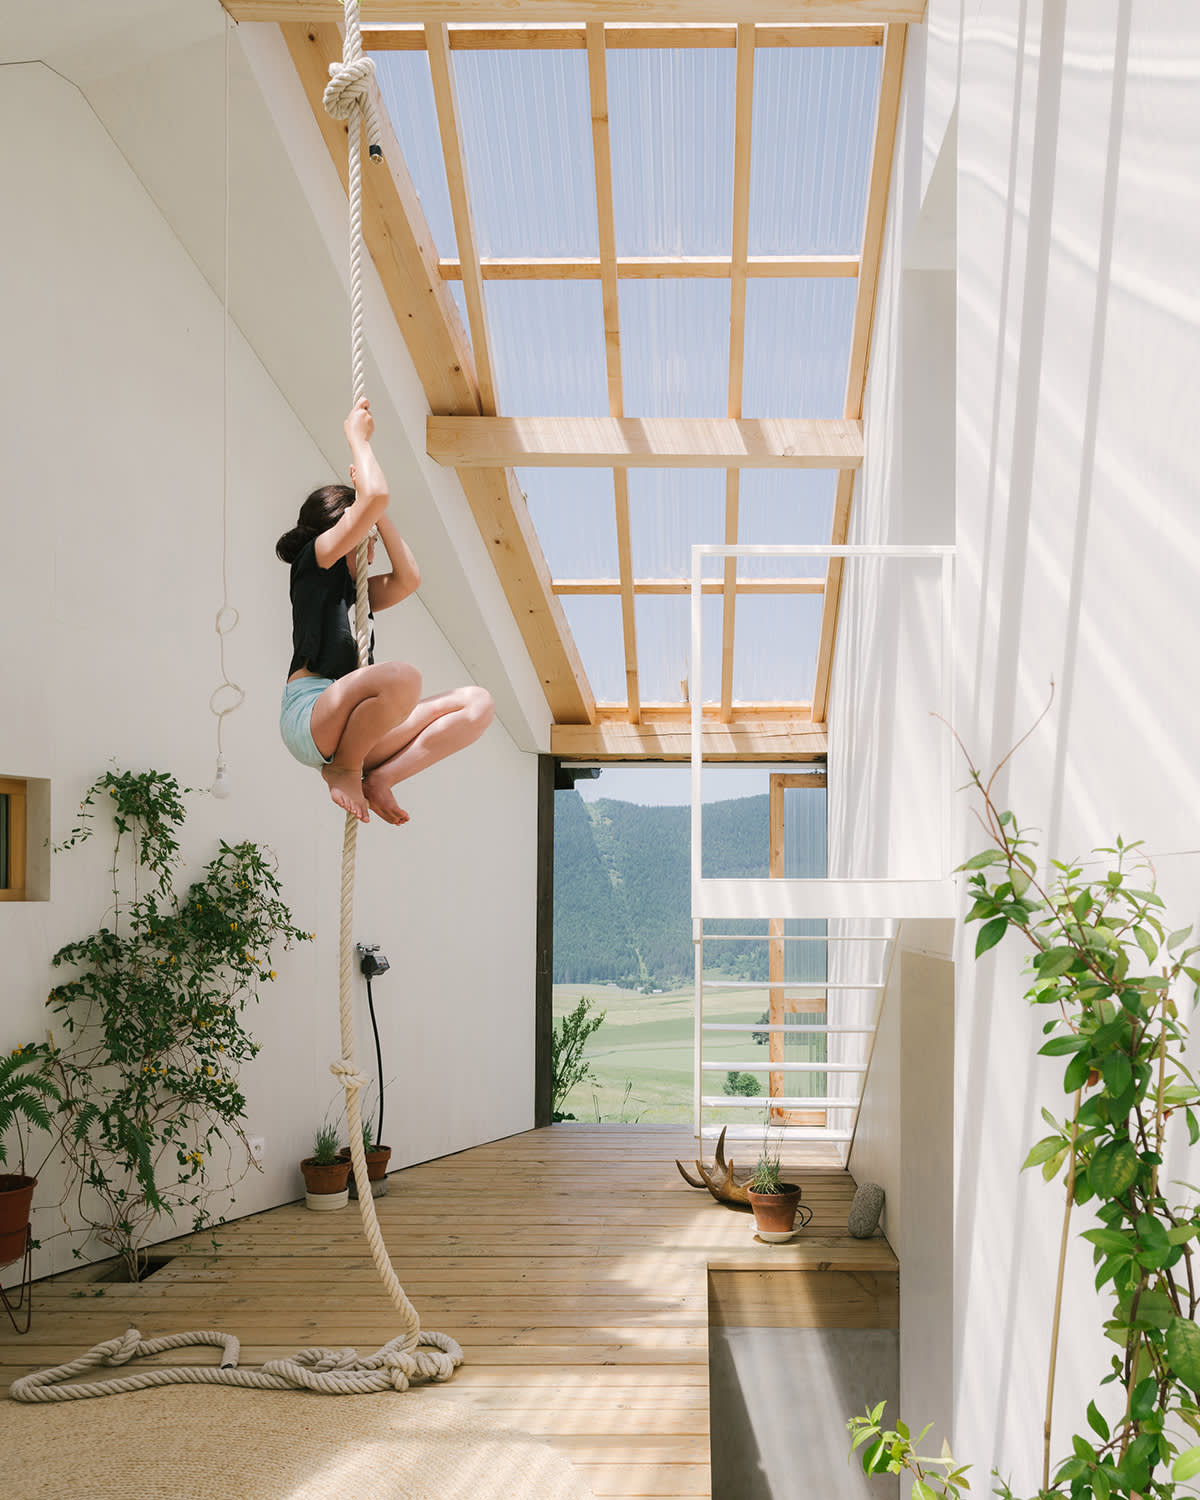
27	1093
775	1202
377	1156
326	1172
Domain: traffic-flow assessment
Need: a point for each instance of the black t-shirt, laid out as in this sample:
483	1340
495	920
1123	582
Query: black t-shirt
322	635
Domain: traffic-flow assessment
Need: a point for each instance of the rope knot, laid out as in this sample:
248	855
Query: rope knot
349	89
121	1350
347	1074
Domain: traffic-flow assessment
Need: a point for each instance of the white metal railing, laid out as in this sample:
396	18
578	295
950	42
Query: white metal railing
828	899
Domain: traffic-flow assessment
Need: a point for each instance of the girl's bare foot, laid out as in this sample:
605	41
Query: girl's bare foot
346	788
381	801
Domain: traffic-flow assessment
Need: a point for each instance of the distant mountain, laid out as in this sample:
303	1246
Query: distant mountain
621	888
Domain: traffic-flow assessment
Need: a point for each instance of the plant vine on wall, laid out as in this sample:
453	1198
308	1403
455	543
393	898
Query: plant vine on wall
155	1017
1109	973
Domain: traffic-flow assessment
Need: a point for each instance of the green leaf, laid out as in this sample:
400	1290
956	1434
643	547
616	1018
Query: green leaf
984	858
1019	880
1183	1350
1111	1241
1043	1151
1142	1402
874	1458
1117	1073
1059	1046
1054	961
1187	1465
921	1491
1146	943
1096	1422
1113	1169
990	934
1176	938
1076	1074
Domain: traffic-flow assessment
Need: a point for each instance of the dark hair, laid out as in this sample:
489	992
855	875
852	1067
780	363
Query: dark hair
322	509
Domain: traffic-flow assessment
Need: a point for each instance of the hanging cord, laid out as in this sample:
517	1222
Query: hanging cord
348	97
227	696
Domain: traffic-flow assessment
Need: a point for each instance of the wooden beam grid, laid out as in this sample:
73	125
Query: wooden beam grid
597	63
887	116
759	586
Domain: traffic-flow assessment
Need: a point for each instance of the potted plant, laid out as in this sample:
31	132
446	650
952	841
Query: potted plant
326	1172
774	1201
377	1161
26	1090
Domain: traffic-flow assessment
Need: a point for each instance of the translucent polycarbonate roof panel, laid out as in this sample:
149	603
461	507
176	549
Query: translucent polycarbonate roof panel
675	348
595	623
547	341
527	143
671	124
797	346
669	510
775	647
784	505
407	92
664	640
574	514
814	125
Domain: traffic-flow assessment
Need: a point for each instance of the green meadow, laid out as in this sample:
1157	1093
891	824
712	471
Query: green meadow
642	1054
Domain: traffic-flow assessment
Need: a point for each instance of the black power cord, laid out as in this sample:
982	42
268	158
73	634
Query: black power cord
372	962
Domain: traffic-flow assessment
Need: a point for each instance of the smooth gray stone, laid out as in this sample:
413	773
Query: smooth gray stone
865	1211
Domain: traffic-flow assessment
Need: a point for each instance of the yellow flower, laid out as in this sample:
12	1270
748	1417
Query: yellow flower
209	1071
16	1051
220	1048
272	973
233	926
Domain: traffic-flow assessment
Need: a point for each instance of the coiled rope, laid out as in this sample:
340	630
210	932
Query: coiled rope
413	1354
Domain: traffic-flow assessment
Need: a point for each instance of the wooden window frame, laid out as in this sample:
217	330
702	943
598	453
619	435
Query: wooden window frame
16	790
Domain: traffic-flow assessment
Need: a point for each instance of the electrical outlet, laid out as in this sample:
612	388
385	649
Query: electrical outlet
258	1149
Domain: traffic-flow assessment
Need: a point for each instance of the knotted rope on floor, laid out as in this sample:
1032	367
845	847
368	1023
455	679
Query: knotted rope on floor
330	1372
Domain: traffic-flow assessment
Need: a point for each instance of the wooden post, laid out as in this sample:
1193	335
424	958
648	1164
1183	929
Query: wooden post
543	978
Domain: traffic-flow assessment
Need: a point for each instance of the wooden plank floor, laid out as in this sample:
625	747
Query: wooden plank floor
570	1263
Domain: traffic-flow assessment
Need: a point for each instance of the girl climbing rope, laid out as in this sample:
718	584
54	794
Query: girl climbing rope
365	728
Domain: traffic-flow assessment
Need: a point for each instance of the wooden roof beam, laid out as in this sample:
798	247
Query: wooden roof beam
741	740
639	34
644	442
652	267
611	311
576	12
743	121
609	586
400	245
886	120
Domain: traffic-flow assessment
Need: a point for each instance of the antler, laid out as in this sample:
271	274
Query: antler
721	1179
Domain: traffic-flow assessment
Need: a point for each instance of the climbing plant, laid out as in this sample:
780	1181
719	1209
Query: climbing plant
568	1040
153	1017
1113	981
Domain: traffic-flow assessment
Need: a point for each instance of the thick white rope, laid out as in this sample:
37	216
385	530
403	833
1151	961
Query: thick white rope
349	96
330	1372
413	1354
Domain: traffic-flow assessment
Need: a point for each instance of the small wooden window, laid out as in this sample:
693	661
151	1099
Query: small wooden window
12	839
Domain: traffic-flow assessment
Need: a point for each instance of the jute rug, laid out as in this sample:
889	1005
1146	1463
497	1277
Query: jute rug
212	1443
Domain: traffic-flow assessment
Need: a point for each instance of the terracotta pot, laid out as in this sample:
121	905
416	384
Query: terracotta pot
321	1178
377	1161
16	1198
775	1213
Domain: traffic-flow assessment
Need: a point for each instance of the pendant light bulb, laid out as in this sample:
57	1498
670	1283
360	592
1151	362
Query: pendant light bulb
221	785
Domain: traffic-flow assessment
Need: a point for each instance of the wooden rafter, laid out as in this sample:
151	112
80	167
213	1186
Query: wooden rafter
652	267
643	34
860	342
743	121
578	12
400	245
659	739
644	442
611	586
445	96
610	301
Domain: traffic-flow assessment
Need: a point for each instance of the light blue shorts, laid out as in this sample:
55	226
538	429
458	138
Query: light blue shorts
295	718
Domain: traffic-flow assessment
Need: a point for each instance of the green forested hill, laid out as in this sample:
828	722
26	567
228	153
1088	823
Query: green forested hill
621	900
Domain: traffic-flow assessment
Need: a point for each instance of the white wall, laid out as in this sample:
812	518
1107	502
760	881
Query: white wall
1079	534
1077	312
110	394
